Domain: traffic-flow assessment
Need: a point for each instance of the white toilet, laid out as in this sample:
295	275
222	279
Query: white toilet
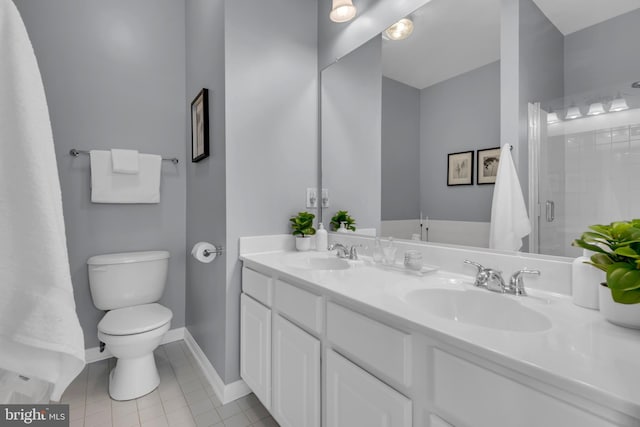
128	285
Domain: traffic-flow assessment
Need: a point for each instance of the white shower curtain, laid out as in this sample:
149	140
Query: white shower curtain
40	335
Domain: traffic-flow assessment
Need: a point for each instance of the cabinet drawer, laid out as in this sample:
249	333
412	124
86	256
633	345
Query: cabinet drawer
385	349
299	305
357	399
258	286
466	390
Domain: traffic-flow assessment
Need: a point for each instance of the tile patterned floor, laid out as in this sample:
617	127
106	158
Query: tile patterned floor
183	399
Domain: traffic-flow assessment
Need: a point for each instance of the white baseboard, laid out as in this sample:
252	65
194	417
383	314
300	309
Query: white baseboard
93	354
225	392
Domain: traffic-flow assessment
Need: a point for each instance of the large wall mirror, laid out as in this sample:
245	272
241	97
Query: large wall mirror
393	112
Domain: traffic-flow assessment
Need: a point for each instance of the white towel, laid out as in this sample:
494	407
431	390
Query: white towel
125	161
509	219
40	335
109	187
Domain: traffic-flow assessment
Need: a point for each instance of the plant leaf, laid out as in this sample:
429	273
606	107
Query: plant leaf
626	251
623	276
626	297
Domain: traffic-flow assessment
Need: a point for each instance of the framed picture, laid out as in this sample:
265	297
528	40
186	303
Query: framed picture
460	168
200	126
488	160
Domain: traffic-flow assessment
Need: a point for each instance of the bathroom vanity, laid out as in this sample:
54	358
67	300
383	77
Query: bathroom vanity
332	342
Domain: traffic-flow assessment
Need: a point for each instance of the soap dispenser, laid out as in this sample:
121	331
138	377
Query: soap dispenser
585	281
322	240
343	228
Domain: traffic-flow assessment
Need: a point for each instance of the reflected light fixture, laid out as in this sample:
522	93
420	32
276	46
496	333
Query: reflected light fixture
400	30
619	104
573	113
595	109
552	117
342	11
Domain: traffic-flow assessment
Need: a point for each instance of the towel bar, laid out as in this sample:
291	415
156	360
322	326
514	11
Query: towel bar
75	153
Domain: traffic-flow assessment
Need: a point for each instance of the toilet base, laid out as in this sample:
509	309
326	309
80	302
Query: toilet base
133	378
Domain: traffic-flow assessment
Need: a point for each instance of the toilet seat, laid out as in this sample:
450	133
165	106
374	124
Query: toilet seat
134	320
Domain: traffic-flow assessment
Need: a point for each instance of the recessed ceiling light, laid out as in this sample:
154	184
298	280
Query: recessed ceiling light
342	11
400	30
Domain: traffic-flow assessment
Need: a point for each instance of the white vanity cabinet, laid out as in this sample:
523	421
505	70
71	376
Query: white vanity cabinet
296	375
317	356
255	348
356	398
279	360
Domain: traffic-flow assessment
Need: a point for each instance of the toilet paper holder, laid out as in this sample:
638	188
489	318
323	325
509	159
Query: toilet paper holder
218	251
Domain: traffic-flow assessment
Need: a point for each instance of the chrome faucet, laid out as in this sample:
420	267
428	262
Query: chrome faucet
495	282
516	283
492	279
343	251
481	275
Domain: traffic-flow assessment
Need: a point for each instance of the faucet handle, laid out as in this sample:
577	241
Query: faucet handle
482	275
516	284
475	264
353	252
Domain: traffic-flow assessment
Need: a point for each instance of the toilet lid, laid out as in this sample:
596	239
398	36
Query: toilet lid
134	320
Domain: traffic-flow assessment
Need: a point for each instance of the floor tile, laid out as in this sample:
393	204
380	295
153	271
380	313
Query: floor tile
238	420
248	401
207	418
202	406
184	398
151	413
267	422
228	410
256	413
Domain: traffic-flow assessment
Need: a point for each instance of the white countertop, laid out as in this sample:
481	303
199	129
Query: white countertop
581	353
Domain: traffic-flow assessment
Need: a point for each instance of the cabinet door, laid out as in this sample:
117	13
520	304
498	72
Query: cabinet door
358	399
296	376
255	348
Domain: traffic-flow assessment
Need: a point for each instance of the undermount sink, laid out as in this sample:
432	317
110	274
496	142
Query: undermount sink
312	263
480	308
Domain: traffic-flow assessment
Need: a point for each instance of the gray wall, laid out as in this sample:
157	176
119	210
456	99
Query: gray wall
532	70
271	129
336	40
474	95
114	76
351	138
206	190
541	56
400	151
603	56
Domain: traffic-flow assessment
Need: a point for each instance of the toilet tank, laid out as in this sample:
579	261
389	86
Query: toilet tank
128	278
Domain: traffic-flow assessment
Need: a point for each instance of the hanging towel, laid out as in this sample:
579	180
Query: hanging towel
125	161
110	187
509	219
40	335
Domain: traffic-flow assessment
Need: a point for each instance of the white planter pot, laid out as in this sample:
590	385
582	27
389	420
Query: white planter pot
303	243
627	315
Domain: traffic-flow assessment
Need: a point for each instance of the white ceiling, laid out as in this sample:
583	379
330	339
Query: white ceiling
452	37
570	16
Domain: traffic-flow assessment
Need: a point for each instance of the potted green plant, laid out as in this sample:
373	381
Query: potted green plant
343	217
302	226
616	250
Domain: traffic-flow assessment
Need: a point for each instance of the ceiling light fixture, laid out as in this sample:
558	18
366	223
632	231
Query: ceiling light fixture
619	104
342	11
595	109
400	30
552	117
573	113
